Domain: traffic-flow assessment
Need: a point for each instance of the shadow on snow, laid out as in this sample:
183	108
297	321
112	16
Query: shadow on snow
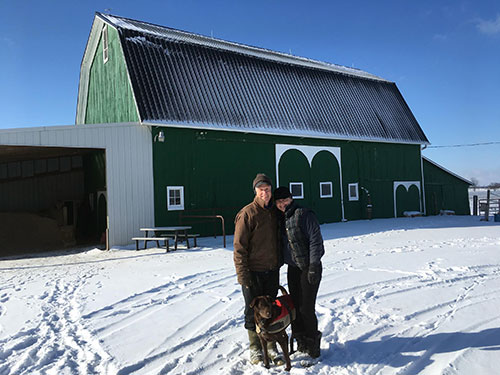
414	353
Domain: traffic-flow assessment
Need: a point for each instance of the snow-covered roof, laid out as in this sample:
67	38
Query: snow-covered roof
187	37
197	81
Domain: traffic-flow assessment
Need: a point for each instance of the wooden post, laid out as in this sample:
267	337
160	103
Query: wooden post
107	232
487	212
474	205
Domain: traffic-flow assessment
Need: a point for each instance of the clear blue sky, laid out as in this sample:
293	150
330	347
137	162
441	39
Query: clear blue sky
443	55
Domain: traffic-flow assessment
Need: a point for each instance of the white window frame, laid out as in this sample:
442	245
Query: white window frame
105	44
175	207
321	195
301	184
353	197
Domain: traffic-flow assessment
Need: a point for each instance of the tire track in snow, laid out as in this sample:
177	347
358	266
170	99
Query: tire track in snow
195	341
141	306
59	343
338	314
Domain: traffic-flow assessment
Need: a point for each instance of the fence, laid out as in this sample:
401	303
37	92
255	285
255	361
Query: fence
486	206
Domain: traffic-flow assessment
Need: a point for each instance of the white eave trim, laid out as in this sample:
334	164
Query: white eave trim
280	133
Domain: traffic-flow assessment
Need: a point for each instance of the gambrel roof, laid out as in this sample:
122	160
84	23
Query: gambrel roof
184	79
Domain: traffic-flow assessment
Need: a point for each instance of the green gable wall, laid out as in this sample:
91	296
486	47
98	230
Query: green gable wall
110	98
443	191
216	169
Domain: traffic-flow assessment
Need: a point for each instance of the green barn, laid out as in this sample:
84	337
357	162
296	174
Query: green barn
343	140
445	190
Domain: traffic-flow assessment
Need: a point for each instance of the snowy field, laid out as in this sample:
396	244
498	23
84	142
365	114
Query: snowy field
399	296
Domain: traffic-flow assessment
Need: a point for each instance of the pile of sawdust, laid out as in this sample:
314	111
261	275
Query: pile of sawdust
29	232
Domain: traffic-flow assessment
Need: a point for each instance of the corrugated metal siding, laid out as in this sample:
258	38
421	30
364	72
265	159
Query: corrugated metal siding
177	80
129	170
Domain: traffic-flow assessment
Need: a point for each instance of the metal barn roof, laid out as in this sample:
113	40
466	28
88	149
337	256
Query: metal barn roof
191	80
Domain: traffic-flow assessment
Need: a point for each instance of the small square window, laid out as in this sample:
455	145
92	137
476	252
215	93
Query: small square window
297	190
325	190
353	192
175	198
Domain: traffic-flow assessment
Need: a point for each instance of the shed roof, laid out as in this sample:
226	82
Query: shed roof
426	159
191	80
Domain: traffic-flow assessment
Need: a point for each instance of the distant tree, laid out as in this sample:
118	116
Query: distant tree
494	185
475	181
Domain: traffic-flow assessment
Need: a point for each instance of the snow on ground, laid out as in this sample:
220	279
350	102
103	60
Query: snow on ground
399	296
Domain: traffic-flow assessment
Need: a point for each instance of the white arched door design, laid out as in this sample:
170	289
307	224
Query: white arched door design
309	152
406	185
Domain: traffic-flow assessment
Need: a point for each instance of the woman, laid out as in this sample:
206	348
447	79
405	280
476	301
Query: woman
302	251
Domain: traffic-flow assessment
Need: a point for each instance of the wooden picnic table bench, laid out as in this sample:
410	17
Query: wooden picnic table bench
176	233
146	239
181	237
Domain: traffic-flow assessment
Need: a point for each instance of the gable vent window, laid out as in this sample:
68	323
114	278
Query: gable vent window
105	45
353	192
325	190
297	190
175	198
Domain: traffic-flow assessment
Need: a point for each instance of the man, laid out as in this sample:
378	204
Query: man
257	258
302	251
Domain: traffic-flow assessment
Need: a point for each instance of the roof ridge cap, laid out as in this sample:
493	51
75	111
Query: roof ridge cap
259	52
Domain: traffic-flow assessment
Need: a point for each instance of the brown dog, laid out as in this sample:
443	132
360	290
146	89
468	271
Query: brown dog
271	320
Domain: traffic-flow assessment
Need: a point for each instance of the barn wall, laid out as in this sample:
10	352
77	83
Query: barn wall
216	169
444	191
128	168
38	193
110	98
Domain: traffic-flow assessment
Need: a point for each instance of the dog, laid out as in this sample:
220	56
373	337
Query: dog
272	317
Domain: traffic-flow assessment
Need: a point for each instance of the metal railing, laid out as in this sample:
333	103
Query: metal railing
212	218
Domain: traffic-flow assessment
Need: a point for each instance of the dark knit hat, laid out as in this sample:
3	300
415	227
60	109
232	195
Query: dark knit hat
282	193
260	179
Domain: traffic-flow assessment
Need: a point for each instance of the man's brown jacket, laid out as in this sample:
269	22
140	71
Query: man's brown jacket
256	245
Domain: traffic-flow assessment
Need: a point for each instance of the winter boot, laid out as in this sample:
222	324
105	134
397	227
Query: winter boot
301	342
313	345
255	348
272	351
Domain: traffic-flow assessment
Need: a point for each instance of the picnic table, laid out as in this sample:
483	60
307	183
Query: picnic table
178	233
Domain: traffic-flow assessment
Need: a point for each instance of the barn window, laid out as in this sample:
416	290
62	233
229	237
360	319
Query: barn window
105	49
3	171
353	192
325	190
14	169
40	166
52	165
175	198
297	190
27	168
